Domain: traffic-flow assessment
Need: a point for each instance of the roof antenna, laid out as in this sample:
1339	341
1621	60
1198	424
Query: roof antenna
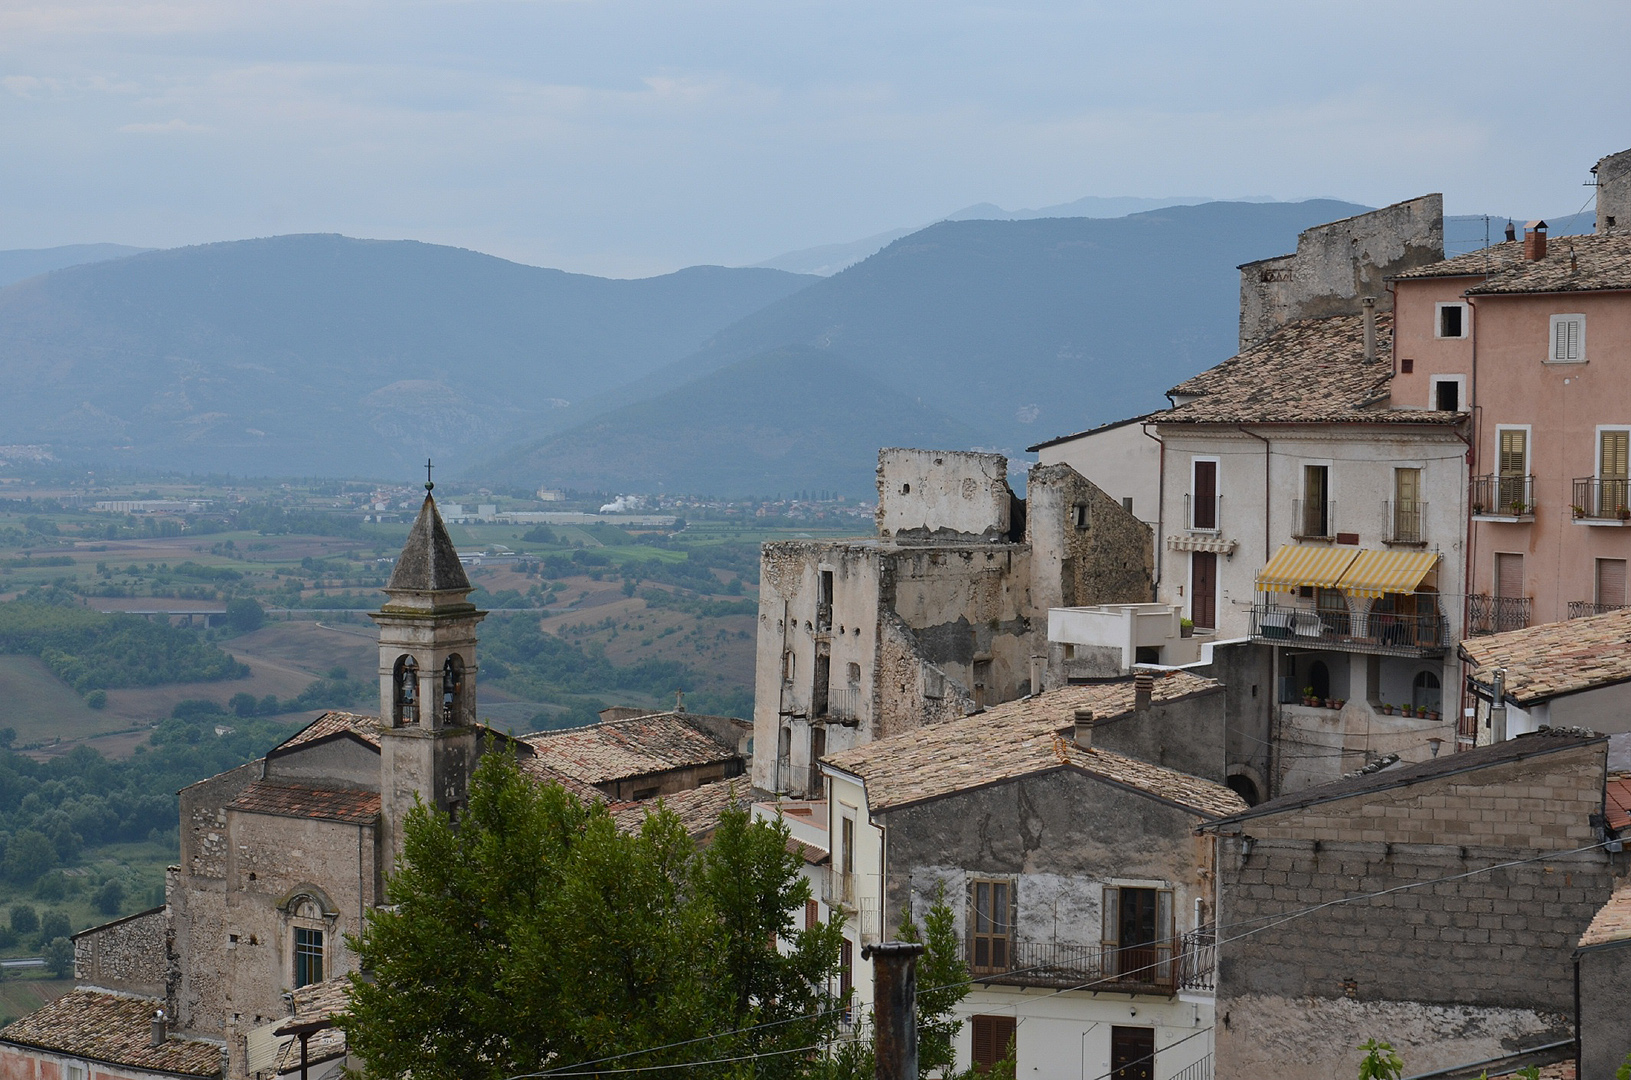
428	484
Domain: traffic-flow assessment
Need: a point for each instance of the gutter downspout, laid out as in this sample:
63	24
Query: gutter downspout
1472	529
1160	498
1271	766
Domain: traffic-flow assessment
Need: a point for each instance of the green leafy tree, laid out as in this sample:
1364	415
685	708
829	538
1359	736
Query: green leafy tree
24	919
1379	1062
59	957
110	897
536	934
54	924
942	981
245	613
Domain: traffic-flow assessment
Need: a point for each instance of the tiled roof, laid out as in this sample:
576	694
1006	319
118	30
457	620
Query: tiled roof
1572	264
111	1028
1553	659
1307	372
332	723
319	1001
1057	439
1471	264
623	749
532	766
298	800
1529	745
1021	738
698	809
1612	921
1617	802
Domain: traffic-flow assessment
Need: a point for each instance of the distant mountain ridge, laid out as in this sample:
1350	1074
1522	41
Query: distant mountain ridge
327	355
20	263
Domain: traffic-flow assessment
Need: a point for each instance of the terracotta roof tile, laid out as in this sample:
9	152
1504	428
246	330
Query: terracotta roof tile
319	1001
698	809
1572	264
1020	738
332	723
1307	372
298	800
623	749
111	1028
1496	257
1617	802
1554	659
1612	921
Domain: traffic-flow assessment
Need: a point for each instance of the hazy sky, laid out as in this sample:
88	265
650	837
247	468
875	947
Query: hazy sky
634	138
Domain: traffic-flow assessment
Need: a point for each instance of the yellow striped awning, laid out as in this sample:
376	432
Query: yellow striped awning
1293	566
1374	573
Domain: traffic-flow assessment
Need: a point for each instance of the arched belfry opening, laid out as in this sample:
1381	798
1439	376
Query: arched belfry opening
404	691
456	708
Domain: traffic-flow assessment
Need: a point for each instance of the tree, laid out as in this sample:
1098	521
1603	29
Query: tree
245	614
942	980
29	855
24	919
536	934
59	957
54	924
110	897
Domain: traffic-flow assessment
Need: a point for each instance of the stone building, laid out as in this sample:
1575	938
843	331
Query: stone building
1084	896
942	613
282	857
1433	905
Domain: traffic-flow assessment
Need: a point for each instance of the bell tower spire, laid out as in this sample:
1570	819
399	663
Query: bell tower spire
427	675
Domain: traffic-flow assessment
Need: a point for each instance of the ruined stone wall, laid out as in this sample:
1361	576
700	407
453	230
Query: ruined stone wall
129	954
1246	671
1337	263
198	900
1086	548
1061	836
948	494
1496	943
911	692
1614	193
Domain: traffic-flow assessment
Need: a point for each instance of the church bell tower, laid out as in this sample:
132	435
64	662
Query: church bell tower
427	678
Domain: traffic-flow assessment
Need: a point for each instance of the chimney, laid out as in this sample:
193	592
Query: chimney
157	1038
1370	328
1143	690
1511	232
1534	241
1497	707
1084	728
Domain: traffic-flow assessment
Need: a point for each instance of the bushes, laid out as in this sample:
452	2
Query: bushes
90	651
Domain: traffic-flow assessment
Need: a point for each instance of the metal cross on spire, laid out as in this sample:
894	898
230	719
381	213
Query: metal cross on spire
428	484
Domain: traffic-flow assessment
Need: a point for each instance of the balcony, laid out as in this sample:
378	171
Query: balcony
1203	514
1601	502
1582	609
793	779
1313	519
1137	969
1496	614
843	706
1405	523
1420	633
1503	498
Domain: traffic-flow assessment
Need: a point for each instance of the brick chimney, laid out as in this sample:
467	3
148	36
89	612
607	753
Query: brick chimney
1370	328
1084	728
1534	241
1143	691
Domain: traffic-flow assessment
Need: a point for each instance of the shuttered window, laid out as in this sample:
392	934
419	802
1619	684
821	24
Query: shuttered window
1610	583
991	923
1205	514
1138	934
812	914
1568	337
1514	466
1612	447
1508	575
992	1034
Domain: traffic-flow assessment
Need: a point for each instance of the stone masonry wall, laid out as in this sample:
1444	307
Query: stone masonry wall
1086	548
128	954
1497	940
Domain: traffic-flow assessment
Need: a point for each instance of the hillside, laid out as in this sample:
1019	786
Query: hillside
332	356
789	418
1019	330
20	263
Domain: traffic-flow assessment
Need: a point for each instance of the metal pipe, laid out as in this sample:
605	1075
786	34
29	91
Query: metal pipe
894	1007
1160	497
1469	1066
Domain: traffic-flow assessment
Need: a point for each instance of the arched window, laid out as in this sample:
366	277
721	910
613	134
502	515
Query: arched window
405	692
453	690
1425	692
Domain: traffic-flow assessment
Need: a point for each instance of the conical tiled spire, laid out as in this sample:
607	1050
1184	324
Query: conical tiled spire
428	563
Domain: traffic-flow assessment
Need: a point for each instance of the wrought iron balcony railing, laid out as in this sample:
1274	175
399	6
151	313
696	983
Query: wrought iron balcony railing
1597	499
1496	614
1156	968
1405	520
1503	496
1313	519
1580	609
1426	632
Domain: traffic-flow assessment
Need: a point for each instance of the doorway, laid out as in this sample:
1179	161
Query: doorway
1203	589
1132	1053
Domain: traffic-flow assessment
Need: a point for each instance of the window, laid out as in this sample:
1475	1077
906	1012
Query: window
1452	321
1508	575
1425	692
818	744
308	956
1613	448
1610	584
1316	508
74	1070
992	1037
992	924
1203	589
1568	345
1447	395
846	864
812	914
1407	366
1138	934
846	968
1078	514
405	692
1513	463
1204	495
1407	505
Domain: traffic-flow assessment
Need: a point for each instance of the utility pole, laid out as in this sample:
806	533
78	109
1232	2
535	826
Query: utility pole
894	1007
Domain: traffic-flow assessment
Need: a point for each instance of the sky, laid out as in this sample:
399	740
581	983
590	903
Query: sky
628	138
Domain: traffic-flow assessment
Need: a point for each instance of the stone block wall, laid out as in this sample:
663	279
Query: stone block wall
1086	548
129	954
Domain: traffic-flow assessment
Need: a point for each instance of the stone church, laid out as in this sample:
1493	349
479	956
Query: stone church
282	857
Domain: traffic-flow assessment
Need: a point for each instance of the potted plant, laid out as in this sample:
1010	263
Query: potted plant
1308	696
1624	513
1578	510
1517	508
1387	710
1186	628
1341	702
1477	508
1434	714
